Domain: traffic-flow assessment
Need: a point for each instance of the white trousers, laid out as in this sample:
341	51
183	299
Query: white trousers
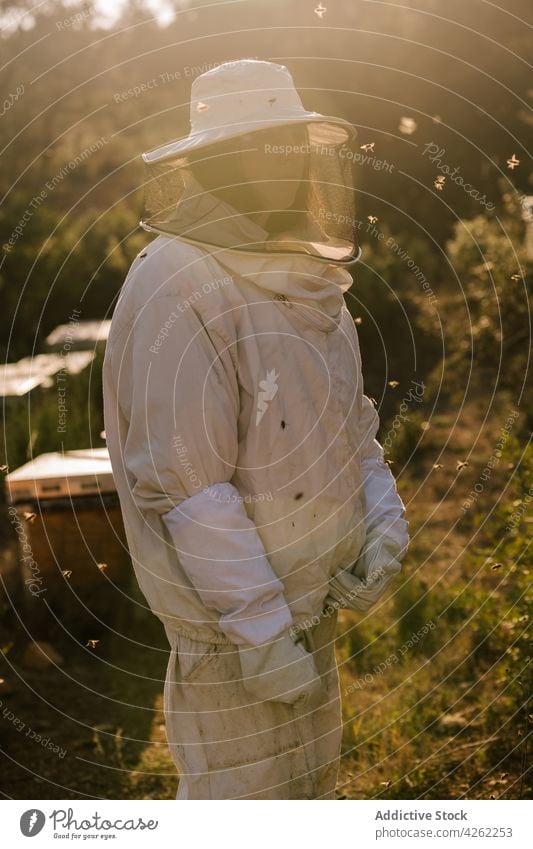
225	746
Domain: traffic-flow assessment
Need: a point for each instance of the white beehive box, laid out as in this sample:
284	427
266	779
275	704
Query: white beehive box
73	549
59	475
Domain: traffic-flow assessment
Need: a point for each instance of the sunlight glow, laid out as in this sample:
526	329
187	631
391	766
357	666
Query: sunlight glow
110	10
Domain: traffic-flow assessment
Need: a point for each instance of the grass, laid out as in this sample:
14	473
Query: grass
449	716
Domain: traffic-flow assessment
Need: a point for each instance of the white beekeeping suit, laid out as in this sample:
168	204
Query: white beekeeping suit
255	497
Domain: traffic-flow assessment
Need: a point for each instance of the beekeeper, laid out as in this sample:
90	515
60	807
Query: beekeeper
255	496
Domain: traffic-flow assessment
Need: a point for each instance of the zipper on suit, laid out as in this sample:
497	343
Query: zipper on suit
285	300
308	313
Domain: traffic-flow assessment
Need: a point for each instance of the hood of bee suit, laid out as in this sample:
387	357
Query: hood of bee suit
269	161
297	278
316	288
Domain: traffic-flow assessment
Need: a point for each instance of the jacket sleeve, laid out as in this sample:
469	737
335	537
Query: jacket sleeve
385	510
181	450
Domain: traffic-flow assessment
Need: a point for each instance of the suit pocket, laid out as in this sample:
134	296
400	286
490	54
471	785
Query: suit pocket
351	534
194	656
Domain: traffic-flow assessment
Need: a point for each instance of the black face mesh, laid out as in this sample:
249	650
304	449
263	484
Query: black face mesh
285	189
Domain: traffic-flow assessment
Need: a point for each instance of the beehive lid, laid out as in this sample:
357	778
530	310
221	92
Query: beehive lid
16	379
78	334
56	475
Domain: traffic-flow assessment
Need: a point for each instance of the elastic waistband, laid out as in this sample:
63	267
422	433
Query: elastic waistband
212	636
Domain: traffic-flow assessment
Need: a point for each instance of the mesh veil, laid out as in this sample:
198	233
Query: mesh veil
286	189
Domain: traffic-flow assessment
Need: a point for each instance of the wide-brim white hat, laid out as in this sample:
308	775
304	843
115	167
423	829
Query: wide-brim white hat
236	98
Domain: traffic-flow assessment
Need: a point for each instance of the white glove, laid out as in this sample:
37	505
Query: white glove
361	586
281	670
